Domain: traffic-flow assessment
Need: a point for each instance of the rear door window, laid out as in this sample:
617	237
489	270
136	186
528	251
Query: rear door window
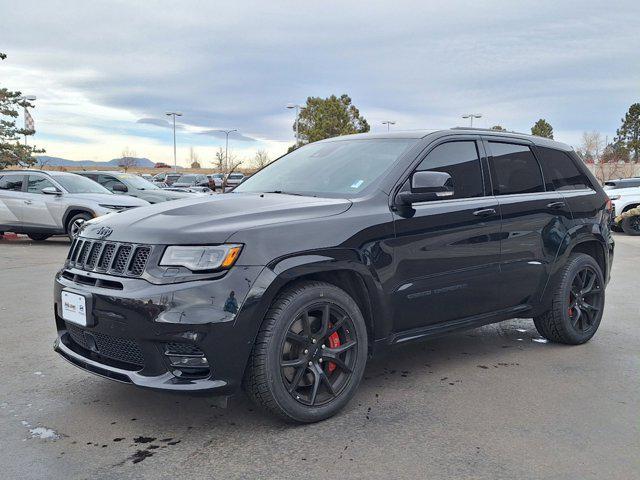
560	171
514	169
459	159
11	182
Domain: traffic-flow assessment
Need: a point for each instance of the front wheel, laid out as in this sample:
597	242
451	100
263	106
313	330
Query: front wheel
309	355
74	225
577	304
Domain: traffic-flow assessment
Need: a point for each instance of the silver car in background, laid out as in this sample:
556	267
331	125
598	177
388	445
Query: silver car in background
40	204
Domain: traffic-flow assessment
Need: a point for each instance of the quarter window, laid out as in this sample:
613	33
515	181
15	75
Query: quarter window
11	182
560	171
37	183
462	162
514	169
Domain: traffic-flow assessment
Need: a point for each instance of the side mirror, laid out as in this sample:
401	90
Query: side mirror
427	186
51	191
119	187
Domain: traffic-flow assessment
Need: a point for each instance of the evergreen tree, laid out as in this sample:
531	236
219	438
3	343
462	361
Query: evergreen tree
628	135
542	128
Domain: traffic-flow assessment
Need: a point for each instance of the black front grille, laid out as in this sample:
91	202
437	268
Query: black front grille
116	348
122	259
179	348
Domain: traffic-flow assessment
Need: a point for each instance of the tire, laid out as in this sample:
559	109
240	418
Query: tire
577	304
288	392
38	237
75	222
631	225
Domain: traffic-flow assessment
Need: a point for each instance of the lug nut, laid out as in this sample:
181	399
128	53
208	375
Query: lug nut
320	360
313	340
306	351
322	347
310	364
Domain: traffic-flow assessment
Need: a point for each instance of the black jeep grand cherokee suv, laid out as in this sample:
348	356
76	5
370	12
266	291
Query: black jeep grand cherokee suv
339	249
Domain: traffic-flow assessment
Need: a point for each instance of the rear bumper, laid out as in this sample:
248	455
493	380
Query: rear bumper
139	334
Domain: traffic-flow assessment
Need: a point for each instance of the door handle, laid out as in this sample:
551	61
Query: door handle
485	212
556	205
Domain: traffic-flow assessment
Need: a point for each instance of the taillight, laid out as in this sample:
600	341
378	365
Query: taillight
609	205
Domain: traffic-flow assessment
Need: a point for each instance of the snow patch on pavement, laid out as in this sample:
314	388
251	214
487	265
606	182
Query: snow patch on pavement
44	433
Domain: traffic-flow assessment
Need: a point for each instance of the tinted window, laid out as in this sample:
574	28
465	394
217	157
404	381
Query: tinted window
560	171
108	182
514	169
11	182
36	183
78	184
461	161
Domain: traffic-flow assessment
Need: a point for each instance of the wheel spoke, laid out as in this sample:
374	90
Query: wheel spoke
306	324
326	316
342	348
338	362
327	382
297	338
297	362
296	379
336	326
590	283
576	317
316	385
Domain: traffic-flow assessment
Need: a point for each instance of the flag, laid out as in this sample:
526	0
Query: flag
28	121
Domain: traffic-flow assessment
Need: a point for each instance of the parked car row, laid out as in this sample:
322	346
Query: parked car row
625	202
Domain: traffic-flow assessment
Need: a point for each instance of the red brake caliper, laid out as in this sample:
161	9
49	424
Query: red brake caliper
334	342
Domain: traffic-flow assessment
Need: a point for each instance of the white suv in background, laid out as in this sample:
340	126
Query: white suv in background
624	199
40	204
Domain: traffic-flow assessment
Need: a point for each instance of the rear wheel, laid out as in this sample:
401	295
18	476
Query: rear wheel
38	237
577	304
74	225
310	353
631	225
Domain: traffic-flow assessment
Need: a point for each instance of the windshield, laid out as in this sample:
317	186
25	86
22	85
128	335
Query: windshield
79	184
344	167
186	179
136	182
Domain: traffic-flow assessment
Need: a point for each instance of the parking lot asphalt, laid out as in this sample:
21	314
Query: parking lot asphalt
494	402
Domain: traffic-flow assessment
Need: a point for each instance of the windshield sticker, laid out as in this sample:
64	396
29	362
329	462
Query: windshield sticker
357	184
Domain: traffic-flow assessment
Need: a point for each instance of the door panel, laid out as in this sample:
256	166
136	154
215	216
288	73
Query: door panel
36	209
447	262
534	226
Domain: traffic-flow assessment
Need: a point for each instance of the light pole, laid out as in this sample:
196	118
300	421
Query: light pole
28	121
388	123
298	108
226	147
175	159
471	116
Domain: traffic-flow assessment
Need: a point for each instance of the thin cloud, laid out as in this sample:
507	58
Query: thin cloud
160	122
232	136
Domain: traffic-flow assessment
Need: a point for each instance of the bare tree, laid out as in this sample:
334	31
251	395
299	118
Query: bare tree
591	147
262	159
128	159
220	160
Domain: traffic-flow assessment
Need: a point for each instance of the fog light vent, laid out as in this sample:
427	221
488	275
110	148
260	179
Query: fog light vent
186	359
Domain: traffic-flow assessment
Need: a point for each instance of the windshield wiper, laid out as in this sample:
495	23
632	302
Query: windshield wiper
282	192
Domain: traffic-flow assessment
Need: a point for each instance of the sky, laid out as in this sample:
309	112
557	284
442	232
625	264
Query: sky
105	73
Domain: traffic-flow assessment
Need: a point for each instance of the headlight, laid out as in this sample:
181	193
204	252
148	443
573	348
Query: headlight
201	258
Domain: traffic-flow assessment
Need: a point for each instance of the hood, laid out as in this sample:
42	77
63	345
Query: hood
211	218
109	199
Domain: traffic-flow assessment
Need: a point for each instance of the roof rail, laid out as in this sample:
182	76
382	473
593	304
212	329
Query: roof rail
490	130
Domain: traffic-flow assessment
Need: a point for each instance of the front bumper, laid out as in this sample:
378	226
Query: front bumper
136	329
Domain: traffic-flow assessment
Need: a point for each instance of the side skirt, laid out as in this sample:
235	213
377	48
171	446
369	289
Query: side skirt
475	321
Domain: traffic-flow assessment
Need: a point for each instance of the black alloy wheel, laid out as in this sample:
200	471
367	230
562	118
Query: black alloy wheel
586	299
318	354
577	303
310	353
631	225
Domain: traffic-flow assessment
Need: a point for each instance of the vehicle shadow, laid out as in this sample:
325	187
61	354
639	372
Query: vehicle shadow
439	361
